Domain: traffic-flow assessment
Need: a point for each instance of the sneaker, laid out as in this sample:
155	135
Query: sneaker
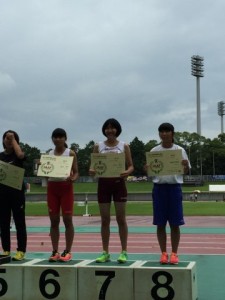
54	257
122	257
174	260
6	253
20	255
164	258
103	258
65	256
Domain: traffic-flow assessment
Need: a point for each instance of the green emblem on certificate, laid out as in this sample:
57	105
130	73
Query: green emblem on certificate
156	166
100	168
47	168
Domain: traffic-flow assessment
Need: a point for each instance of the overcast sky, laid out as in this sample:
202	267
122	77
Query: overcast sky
74	64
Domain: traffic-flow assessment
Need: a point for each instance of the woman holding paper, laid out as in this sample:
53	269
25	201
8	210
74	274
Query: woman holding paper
12	199
167	198
60	196
113	187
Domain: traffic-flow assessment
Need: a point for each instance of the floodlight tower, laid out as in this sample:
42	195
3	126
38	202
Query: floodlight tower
197	71
221	113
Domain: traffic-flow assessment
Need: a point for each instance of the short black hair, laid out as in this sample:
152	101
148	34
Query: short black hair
59	132
114	123
15	135
166	127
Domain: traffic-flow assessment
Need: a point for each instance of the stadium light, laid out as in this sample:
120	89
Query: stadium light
221	113
197	71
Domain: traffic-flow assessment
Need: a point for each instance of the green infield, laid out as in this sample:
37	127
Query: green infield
135	208
91	187
205	208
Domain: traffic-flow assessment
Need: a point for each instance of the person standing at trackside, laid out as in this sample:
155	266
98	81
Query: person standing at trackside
60	196
13	200
115	188
167	198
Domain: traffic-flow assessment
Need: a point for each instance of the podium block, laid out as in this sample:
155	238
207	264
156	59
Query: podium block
55	280
171	282
5	259
11	280
106	281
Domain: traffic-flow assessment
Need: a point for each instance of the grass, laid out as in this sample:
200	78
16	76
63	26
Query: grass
91	187
135	208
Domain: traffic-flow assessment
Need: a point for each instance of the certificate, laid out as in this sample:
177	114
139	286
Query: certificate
166	162
11	175
108	164
55	166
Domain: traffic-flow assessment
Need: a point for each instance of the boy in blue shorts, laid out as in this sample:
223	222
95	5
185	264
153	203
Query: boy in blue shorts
167	198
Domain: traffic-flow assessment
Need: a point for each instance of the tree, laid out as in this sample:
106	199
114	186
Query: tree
221	137
151	144
207	156
137	148
83	158
216	157
31	153
75	147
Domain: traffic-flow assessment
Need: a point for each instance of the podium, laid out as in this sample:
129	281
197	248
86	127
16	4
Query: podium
38	279
108	280
55	280
171	282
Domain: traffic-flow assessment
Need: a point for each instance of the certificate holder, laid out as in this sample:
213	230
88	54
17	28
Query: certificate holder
55	166
11	175
165	162
108	164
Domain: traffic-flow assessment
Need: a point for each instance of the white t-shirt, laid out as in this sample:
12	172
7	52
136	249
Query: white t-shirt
170	179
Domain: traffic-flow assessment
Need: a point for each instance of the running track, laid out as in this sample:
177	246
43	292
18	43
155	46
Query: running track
200	235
